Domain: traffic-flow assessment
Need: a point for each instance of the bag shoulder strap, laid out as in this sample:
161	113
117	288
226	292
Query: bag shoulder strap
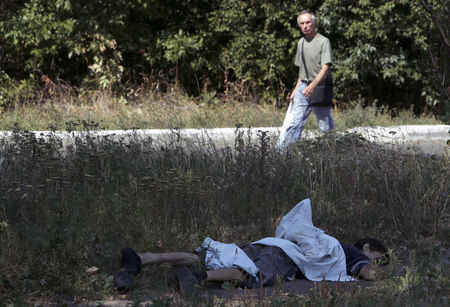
328	79
304	62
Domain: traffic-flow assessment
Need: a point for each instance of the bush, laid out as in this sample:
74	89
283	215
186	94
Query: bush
228	46
14	93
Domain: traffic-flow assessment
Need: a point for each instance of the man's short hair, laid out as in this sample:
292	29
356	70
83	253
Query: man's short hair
375	246
304	12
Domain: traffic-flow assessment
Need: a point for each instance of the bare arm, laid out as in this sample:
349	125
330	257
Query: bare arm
225	274
308	91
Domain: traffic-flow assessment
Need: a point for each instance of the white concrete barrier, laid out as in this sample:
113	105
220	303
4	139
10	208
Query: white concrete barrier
433	138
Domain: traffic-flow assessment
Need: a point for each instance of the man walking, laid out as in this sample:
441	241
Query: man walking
314	60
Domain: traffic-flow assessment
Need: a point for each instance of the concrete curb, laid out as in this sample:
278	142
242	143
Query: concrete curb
410	132
371	133
438	135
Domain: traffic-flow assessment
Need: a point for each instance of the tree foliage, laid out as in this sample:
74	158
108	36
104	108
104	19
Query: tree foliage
438	50
378	49
381	49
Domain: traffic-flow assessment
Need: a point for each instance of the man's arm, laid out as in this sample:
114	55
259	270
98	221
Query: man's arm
308	91
225	274
291	97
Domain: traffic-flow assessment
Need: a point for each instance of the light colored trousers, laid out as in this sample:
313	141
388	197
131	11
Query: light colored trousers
297	115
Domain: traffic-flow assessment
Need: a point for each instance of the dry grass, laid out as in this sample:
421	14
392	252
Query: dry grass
64	211
148	107
62	214
174	110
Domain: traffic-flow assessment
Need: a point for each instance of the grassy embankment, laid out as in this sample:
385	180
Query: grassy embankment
62	214
176	110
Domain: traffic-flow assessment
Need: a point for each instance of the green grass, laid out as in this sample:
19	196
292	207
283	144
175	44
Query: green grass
62	212
151	109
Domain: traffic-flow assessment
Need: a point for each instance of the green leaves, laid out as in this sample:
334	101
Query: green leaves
381	46
179	46
214	44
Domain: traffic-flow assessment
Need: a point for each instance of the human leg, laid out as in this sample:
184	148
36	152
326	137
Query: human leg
294	129
186	279
189	281
295	119
273	264
132	263
175	258
324	118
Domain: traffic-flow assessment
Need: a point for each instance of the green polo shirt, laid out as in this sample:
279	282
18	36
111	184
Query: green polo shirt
317	53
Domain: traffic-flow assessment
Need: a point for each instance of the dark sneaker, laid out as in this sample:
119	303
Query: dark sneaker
122	281
186	280
131	261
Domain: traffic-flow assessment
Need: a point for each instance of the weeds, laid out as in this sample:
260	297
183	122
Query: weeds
65	209
156	104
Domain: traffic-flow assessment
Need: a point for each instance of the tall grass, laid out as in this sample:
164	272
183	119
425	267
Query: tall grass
148	107
64	210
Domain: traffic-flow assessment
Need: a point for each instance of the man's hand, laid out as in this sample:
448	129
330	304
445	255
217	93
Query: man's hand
291	97
308	91
372	272
367	272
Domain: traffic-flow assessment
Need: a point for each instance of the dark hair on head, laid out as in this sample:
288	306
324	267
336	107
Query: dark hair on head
375	246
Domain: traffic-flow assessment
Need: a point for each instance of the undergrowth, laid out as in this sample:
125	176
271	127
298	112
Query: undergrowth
149	108
66	207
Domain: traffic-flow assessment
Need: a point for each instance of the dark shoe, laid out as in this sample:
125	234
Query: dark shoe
200	275
122	281
131	261
186	280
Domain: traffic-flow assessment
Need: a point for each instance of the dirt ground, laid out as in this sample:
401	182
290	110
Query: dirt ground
156	285
217	294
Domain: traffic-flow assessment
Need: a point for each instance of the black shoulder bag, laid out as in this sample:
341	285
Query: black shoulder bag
323	93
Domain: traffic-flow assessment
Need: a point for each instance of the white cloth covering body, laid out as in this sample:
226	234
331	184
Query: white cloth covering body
318	255
222	255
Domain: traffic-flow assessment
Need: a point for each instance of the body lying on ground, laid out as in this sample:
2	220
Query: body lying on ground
299	250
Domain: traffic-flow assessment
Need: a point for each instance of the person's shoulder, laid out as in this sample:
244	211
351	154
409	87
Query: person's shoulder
352	251
299	43
322	38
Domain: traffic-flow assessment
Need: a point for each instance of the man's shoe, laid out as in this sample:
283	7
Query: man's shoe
186	280
199	275
131	261
122	281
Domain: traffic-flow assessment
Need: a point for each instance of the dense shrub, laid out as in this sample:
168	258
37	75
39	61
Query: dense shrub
382	49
